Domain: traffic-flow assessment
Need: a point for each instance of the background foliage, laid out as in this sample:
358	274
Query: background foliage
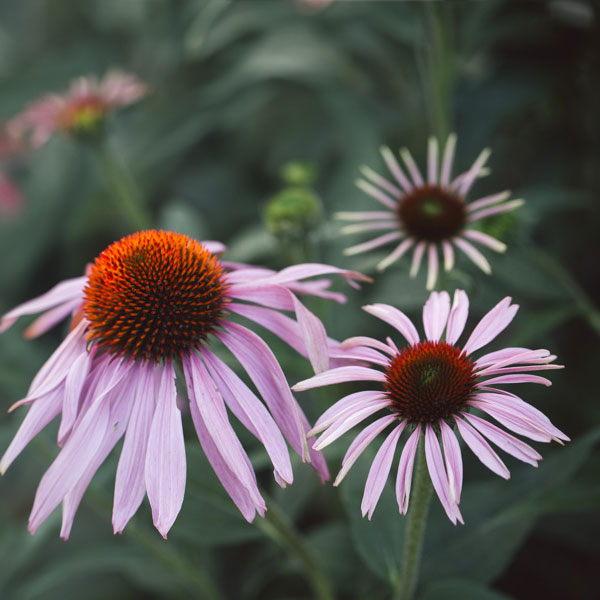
239	89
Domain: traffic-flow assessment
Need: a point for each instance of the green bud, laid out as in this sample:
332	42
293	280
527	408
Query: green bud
292	211
297	173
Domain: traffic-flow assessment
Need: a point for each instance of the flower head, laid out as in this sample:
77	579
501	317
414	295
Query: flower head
151	300
433	388
429	216
82	110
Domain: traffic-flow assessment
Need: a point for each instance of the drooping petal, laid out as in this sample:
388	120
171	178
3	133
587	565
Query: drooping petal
481	449
251	413
360	443
453	460
439	477
448	255
433	266
165	467
264	370
130	486
379	471
435	315
50	318
417	258
485	239
314	336
405	470
396	319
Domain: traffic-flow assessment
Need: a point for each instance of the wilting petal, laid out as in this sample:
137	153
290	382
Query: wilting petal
405	470
453	460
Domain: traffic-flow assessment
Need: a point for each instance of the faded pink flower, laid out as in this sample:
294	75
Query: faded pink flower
82	109
430	387
150	300
430	216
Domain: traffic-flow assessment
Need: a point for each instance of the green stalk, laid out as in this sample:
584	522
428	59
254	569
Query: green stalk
279	528
415	527
125	193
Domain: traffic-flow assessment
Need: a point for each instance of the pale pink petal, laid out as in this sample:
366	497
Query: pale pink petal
370	226
479	259
369	342
485	239
365	215
314	336
130	486
358	354
458	316
448	160
395	169
439	478
491	325
448	255
488	201
411	165
214	247
432	161
492	358
374	243
40	413
342	407
352	418
50	318
273	296
264	370
396	319
296	273
396	254
481	449
435	315
453	460
165	467
469	178
526	378
433	266
340	375
405	470
535	359
317	459
360	443
66	291
417	258
507	442
376	193
379	471
382	182
251	413
495	210
519	369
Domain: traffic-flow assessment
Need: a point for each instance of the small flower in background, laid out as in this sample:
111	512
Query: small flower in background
429	216
11	198
150	300
82	110
428	387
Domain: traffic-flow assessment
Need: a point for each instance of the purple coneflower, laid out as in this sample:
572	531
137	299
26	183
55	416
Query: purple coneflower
82	109
429	216
150	301
430	387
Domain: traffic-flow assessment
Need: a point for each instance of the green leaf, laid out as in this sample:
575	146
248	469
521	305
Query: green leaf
459	589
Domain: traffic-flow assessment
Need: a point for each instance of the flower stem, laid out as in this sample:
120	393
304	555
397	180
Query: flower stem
278	527
124	191
415	527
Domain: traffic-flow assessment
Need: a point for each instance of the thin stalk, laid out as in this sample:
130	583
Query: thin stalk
125	193
281	530
415	527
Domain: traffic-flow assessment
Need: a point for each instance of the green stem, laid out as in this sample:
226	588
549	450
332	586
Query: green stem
415	527
278	527
124	191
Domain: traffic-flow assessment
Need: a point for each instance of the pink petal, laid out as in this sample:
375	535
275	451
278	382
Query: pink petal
417	258
495	210
517	379
370	226
165	467
532	358
479	259
453	460
50	318
214	247
314	336
264	370
340	375
481	449
296	273
433	266
469	177
411	165
435	315
448	255
396	319
376	193
130	486
485	239
405	470
251	413
381	181
491	325
438	475
360	443
396	254
507	442
395	169
458	316
365	215
374	243
447	160
379	471
488	200
432	161
367	341
65	291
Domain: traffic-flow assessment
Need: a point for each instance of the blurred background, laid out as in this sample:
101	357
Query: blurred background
260	113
